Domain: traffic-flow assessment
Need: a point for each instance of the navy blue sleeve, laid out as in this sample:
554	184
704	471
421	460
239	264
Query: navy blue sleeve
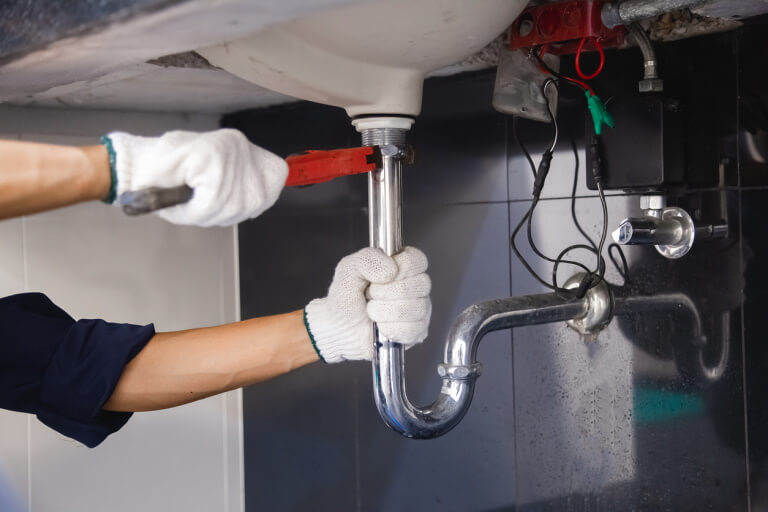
64	370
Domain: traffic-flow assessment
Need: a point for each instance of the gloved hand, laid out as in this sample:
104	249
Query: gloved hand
233	180
370	286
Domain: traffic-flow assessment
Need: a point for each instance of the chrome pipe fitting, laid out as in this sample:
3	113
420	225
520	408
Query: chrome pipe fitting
460	369
624	12
670	229
599	306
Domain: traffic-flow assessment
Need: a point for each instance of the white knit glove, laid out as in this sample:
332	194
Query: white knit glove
368	287
233	180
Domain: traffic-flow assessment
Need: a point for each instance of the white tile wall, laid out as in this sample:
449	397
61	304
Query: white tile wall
11	256
13	426
14	453
95	262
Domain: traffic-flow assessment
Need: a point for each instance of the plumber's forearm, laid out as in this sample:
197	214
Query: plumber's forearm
38	177
179	367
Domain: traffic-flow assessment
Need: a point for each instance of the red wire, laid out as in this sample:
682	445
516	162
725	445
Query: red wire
583	85
577	61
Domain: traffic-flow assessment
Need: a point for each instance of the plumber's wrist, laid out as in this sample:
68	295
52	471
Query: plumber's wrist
95	171
311	336
335	339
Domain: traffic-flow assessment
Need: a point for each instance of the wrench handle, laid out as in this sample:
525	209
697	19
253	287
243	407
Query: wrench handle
151	199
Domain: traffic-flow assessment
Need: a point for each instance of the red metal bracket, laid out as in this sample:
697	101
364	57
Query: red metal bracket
562	26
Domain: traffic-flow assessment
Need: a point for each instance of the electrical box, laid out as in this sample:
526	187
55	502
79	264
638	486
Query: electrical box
645	151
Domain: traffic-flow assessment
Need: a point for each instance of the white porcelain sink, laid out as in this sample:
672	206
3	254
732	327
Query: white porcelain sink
370	57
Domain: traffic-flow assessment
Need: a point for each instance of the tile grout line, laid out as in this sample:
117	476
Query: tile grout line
239	394
741	272
295	212
744	367
25	288
225	455
224	398
738	117
511	331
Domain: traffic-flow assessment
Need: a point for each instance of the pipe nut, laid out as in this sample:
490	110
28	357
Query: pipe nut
651	85
600	307
653	202
610	15
459	372
404	153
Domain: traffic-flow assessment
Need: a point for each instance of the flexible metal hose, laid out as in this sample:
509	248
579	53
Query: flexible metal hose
650	64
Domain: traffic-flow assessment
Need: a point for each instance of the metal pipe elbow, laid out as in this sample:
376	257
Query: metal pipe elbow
459	371
460	368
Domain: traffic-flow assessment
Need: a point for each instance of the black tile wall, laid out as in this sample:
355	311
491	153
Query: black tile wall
755	250
628	421
753	106
640	418
753	164
300	427
474	267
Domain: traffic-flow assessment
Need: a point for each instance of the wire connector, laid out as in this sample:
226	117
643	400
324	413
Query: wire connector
600	115
596	158
541	173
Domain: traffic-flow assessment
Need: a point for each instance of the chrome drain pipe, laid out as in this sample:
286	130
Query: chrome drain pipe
460	368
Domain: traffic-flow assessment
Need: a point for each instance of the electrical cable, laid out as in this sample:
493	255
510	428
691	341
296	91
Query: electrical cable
592	277
556	129
544	68
541	176
573	192
577	59
623	270
604	234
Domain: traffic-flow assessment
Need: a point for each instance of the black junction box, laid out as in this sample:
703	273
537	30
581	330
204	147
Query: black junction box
645	149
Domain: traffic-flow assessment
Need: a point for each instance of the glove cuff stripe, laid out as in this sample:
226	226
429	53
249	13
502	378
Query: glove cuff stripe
112	195
312	337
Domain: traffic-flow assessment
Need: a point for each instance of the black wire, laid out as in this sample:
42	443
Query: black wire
623	270
555	73
604	234
544	256
527	215
591	277
520	256
573	192
527	218
551	147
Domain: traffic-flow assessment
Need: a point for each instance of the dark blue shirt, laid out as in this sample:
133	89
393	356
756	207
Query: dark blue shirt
64	370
